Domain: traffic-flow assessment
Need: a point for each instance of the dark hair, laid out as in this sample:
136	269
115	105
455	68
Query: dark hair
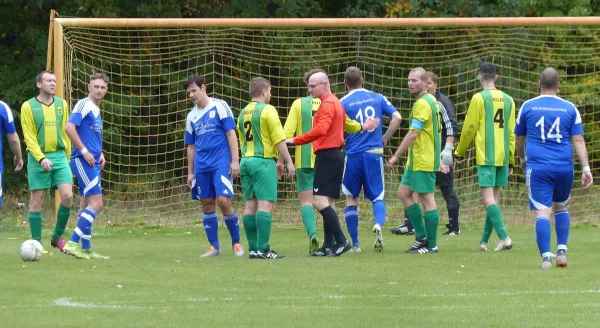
549	79
194	79
258	85
353	76
433	76
487	71
310	73
38	78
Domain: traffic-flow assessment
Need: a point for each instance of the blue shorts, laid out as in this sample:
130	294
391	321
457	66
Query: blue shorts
212	184
547	187
364	170
88	178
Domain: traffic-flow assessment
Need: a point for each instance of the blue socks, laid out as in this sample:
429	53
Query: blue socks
83	231
211	226
351	216
232	223
543	234
379	212
562	223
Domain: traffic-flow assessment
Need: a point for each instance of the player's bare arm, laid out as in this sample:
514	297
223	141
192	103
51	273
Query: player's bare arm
408	140
392	128
234	168
71	130
15	147
191	151
586	176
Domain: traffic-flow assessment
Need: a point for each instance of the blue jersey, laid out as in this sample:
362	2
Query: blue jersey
359	105
549	122
7	126
86	116
206	128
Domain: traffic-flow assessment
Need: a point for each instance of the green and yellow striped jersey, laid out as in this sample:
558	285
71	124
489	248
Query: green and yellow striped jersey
490	121
44	127
259	130
424	153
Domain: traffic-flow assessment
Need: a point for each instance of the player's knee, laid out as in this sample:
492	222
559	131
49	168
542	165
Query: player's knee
96	203
265	206
35	201
66	198
225	204
320	202
208	204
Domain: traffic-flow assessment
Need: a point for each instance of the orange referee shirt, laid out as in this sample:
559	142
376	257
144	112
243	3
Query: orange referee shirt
328	126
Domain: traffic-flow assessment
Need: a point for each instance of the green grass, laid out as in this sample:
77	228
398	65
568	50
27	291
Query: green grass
163	283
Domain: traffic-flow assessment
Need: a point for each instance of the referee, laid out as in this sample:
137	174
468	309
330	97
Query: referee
327	136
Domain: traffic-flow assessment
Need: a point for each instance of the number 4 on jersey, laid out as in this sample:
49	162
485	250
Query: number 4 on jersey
555	127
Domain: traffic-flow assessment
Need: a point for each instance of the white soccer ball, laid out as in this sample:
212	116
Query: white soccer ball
31	250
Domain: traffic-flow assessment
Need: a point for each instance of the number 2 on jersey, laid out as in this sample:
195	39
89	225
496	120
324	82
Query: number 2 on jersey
369	113
555	127
248	128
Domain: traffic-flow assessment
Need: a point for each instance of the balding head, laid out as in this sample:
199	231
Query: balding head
318	85
549	79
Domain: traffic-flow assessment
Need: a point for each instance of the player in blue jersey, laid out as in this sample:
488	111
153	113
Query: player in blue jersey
7	126
546	126
84	128
213	162
364	154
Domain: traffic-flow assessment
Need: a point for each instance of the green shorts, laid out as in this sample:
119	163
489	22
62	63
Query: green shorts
304	179
40	179
419	181
492	176
259	178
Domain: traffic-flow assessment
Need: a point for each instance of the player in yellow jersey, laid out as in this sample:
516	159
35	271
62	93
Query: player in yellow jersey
43	119
490	120
300	121
262	141
423	145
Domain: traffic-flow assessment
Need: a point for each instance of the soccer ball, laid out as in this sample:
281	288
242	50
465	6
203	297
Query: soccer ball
31	250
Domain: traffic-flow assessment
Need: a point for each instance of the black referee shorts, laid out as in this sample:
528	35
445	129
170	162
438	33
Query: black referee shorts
329	171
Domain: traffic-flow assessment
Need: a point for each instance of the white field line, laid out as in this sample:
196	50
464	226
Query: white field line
131	304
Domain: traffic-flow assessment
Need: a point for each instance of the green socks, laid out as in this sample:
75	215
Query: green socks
308	219
263	226
415	216
493	212
432	219
61	221
35	225
249	222
487	230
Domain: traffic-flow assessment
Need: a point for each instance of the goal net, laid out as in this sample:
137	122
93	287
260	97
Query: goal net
144	112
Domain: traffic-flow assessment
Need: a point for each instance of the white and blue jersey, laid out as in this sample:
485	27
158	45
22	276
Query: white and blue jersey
360	105
7	126
206	129
364	150
548	123
86	116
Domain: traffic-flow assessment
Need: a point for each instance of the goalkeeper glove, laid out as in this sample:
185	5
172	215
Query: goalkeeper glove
447	154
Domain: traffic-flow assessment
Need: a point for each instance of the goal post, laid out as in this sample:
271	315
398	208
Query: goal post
148	61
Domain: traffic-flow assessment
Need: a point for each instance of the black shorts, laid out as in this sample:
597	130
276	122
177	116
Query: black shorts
445	180
329	171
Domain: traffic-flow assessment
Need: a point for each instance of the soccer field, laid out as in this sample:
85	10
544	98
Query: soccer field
156	279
